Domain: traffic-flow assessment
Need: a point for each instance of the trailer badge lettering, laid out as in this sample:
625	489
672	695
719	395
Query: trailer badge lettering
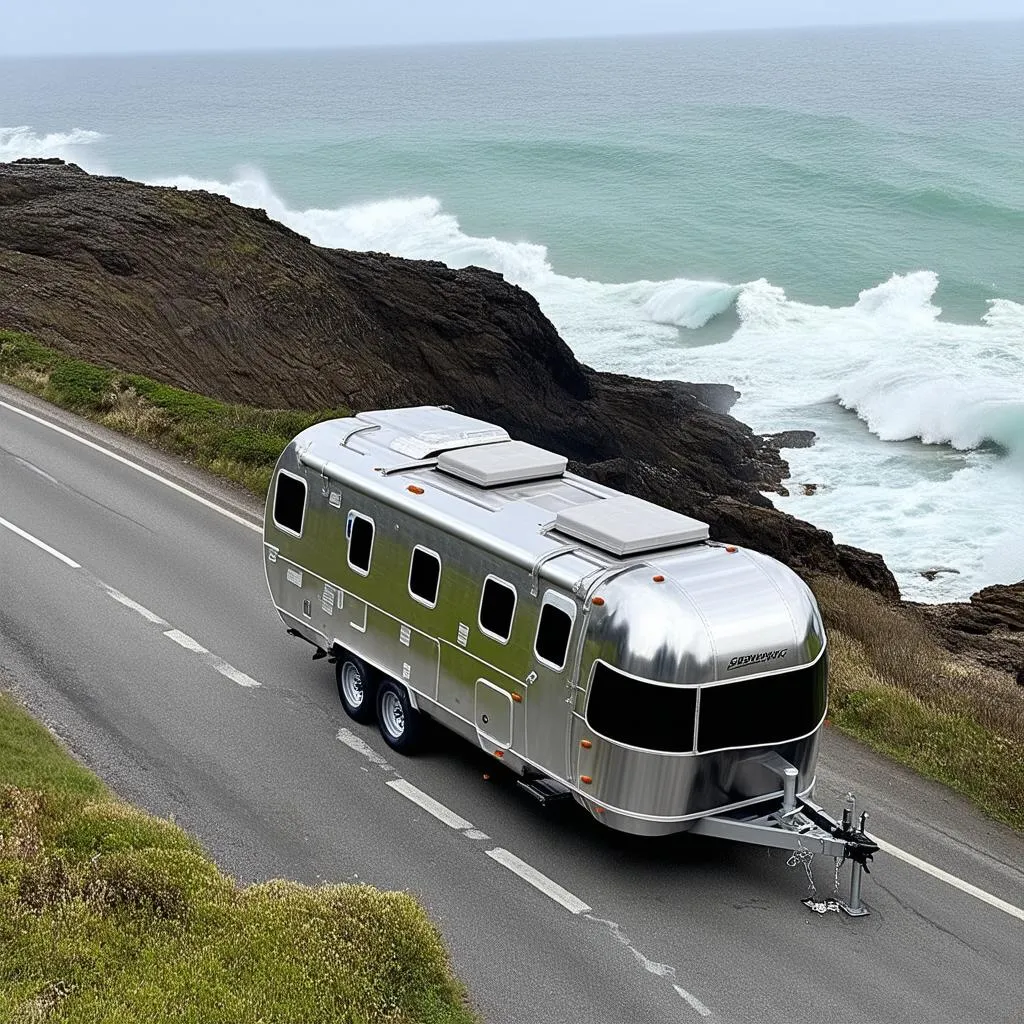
743	660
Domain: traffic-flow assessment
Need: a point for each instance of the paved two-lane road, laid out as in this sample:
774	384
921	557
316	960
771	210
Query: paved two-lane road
135	620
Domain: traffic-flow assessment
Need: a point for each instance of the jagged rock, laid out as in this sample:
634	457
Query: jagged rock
191	289
791	438
989	627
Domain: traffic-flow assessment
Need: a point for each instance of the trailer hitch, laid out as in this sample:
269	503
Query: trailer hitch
858	848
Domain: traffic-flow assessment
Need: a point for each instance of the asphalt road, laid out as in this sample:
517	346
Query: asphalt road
631	930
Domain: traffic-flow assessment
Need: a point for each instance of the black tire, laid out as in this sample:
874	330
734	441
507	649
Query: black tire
400	723
357	687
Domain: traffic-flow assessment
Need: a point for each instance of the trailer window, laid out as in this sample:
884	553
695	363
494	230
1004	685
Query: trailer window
756	712
648	715
424	575
289	503
553	633
360	542
497	608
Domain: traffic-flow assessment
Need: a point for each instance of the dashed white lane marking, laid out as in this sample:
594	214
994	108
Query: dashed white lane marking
693	1001
945	876
429	804
135	607
213	506
360	746
232	673
539	881
184	640
19	532
475	833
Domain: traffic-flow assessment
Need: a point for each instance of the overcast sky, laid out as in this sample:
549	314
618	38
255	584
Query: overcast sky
105	26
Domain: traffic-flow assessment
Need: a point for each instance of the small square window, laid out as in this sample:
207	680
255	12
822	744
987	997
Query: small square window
424	576
497	608
289	502
360	542
553	635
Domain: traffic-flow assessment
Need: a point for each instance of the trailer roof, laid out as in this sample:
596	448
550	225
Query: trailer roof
468	475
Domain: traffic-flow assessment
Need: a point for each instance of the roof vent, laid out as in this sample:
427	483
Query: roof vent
625	525
494	465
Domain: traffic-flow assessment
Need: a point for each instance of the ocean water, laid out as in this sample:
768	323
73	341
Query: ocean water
831	220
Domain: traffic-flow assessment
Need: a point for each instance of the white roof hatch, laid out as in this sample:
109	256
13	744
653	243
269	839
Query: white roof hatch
625	525
494	465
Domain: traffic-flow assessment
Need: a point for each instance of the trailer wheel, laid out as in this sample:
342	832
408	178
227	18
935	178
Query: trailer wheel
356	687
400	723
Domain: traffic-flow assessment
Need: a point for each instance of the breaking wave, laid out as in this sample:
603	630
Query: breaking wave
16	143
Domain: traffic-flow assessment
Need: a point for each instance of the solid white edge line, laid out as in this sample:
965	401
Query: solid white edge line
429	804
945	876
236	676
539	881
693	1001
18	531
136	607
213	506
184	640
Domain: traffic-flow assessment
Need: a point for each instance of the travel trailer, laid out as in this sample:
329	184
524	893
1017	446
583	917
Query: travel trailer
601	646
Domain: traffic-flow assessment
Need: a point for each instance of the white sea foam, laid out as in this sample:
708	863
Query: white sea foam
888	357
22	141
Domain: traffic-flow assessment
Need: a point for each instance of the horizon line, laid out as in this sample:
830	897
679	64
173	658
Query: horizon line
514	41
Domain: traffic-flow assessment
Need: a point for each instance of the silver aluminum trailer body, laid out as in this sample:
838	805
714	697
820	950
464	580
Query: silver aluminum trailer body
581	635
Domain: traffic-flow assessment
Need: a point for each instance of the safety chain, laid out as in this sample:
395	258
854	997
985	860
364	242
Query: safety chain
803	856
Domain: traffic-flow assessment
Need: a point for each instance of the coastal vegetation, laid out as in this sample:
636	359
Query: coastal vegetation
240	443
893	686
108	914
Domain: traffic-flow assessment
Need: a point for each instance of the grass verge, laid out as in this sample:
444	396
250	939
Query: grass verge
240	443
894	688
108	915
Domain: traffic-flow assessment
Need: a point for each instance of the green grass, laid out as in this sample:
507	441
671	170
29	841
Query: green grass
109	915
896	690
240	443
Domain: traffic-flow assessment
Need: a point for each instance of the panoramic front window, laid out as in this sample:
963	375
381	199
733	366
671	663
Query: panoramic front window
553	633
654	716
289	502
360	542
424	576
497	608
767	709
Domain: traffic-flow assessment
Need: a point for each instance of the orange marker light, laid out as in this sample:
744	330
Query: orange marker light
599	810
586	780
597	600
414	489
731	550
499	753
586	744
658	579
517	697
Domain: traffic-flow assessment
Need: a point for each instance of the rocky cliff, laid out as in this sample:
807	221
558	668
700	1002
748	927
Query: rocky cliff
193	290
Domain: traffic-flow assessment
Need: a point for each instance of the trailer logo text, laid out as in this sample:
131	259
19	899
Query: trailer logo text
756	659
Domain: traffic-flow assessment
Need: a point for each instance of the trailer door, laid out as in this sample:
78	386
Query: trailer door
549	699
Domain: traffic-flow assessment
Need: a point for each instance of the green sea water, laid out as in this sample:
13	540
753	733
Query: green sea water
832	220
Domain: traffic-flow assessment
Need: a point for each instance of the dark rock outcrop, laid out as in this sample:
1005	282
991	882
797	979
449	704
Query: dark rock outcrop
193	290
989	627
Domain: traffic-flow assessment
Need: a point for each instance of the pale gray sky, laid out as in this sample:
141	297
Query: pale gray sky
119	26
